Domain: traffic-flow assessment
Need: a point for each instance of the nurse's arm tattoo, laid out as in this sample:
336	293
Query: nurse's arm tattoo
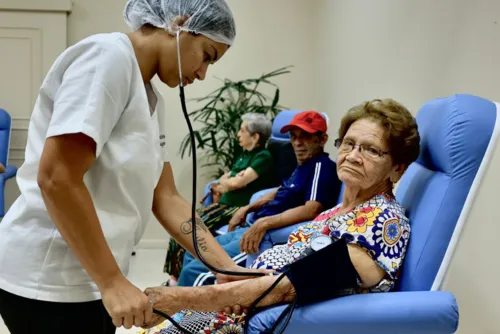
187	228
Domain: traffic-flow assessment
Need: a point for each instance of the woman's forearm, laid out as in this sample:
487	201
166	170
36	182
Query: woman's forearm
174	214
233	183
230	184
70	206
215	298
240	180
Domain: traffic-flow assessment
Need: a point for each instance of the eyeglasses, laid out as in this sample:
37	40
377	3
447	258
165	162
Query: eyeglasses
367	151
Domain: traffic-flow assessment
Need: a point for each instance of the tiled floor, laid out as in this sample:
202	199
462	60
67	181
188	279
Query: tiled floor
145	271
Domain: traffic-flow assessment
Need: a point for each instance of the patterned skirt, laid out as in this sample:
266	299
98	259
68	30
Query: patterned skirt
201	323
214	216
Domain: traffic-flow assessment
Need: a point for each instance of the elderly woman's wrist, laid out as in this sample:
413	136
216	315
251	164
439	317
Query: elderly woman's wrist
284	292
288	291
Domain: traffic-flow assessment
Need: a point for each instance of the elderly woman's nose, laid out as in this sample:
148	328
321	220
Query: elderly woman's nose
354	155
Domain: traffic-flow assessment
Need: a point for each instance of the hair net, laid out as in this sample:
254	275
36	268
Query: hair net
211	18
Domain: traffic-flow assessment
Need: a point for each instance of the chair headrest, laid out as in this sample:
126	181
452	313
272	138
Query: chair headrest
283	118
455	132
448	130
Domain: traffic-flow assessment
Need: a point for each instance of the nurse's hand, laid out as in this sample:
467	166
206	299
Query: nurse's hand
125	303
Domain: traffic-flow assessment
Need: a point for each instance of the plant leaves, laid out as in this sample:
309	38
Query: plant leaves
276	98
219	117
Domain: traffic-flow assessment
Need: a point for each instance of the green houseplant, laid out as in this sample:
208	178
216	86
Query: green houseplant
220	118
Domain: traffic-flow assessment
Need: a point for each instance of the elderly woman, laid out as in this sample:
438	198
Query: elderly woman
251	172
377	141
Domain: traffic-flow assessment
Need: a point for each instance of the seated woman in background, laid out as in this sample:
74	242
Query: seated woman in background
252	172
378	140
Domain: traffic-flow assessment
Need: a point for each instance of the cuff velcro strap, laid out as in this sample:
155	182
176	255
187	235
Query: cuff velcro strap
323	275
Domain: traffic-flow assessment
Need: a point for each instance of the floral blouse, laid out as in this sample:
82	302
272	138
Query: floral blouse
378	225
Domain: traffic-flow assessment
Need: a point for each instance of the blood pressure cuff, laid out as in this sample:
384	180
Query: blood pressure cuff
323	275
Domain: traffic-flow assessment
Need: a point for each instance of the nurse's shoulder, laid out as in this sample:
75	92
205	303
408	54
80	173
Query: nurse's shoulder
107	60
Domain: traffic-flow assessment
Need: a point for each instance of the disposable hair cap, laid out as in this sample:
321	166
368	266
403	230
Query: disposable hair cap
211	18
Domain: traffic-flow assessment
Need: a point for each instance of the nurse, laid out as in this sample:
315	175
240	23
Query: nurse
96	164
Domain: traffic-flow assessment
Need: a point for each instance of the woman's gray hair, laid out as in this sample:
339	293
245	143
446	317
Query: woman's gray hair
259	123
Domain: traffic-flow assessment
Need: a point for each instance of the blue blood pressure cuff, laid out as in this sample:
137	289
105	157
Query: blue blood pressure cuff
326	272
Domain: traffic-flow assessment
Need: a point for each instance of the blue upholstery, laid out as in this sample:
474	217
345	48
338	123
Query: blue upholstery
207	197
455	133
10	170
393	313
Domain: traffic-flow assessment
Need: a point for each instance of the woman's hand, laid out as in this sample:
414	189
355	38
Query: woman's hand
235	310
238	219
251	239
224	177
164	300
215	189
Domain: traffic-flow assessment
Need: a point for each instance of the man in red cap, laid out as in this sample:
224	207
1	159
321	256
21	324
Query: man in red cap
307	123
312	188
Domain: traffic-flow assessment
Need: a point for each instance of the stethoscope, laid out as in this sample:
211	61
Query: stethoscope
289	310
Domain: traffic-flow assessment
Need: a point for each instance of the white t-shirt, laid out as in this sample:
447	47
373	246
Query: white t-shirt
95	87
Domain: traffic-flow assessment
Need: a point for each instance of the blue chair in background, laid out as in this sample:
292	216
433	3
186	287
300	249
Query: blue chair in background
437	190
10	170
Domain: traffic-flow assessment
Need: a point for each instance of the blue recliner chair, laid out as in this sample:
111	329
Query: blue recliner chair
10	170
437	191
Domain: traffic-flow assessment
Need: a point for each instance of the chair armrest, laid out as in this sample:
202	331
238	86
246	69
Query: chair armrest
250	220
260	193
429	312
208	199
10	171
250	217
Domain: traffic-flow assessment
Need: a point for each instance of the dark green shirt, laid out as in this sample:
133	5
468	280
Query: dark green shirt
261	161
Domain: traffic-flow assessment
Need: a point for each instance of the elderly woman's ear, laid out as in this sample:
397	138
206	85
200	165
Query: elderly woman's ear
397	173
256	139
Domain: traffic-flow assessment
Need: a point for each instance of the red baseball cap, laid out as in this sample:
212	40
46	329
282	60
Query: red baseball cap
309	121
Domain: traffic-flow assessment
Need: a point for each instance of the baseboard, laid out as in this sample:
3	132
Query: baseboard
152	244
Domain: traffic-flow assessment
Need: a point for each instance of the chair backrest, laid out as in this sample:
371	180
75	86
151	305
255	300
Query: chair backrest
5	126
280	147
437	190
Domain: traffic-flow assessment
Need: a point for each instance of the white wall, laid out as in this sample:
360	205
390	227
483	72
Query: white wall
412	51
474	271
